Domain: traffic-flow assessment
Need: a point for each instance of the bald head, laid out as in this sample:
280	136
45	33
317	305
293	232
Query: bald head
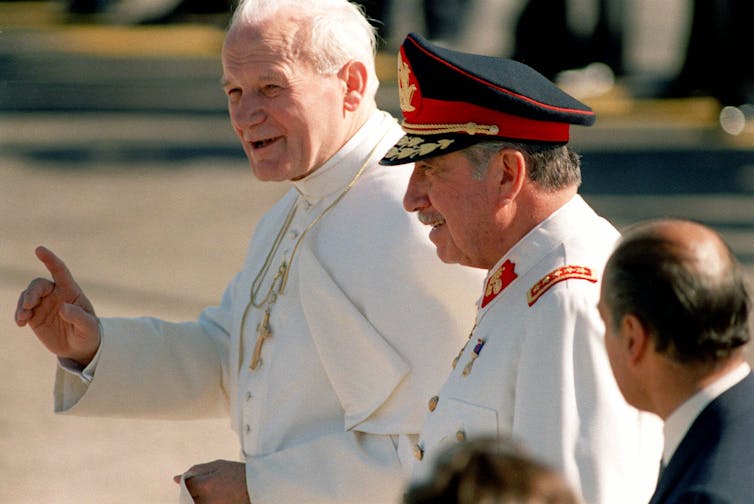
699	247
684	285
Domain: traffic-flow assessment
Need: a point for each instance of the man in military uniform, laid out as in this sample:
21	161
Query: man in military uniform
497	183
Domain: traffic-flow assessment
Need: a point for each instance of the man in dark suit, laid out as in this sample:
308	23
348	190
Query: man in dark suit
676	314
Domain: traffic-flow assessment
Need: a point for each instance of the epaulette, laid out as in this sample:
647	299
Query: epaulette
558	275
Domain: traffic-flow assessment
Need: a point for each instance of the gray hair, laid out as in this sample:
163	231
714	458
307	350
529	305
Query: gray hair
552	167
333	32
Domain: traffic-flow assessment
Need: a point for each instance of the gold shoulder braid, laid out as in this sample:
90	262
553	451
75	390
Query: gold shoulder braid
280	280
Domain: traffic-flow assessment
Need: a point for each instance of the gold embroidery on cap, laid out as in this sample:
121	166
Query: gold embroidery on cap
405	90
408	147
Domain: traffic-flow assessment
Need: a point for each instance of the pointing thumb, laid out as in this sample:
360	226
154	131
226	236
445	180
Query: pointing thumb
85	337
85	322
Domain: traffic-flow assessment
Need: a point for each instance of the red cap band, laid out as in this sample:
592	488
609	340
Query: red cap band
444	114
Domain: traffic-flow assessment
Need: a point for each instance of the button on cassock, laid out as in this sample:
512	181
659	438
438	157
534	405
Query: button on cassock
418	452
433	403
460	436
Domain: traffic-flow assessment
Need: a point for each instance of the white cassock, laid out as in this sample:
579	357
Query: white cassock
361	335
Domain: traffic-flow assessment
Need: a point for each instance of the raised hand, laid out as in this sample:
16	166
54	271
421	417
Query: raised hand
59	313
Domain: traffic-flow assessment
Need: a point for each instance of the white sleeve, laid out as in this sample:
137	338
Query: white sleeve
85	373
151	368
345	467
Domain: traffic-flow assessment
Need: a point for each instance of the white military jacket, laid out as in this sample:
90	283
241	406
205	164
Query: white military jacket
361	335
535	368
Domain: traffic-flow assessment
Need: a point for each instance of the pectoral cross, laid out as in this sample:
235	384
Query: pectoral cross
263	332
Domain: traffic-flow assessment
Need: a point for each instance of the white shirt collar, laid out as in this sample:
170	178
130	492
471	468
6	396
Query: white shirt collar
679	421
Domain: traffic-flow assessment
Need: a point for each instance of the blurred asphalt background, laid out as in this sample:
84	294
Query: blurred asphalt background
116	152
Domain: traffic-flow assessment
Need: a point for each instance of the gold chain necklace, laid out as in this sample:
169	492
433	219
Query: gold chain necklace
280	280
257	283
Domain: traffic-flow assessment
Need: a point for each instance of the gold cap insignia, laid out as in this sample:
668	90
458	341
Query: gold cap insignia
406	90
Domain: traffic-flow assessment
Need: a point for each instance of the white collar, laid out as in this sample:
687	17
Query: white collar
680	420
337	171
547	235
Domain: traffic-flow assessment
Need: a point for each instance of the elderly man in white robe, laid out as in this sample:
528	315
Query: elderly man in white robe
341	319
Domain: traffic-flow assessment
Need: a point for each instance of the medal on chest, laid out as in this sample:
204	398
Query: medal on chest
496	283
474	356
474	353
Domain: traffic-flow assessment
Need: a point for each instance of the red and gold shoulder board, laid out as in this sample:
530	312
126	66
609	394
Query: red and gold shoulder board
558	275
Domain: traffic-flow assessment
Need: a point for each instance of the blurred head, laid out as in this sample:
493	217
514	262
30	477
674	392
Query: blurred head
490	472
683	285
300	80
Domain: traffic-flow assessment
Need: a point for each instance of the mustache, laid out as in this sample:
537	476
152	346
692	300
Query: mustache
430	218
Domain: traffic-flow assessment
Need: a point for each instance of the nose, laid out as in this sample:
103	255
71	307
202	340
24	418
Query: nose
416	197
246	112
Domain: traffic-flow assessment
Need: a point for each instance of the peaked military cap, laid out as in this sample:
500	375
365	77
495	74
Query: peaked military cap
451	100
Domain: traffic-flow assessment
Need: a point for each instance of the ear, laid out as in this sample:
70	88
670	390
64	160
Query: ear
354	75
512	176
636	338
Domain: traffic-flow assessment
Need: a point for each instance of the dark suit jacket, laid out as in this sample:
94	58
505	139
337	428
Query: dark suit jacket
714	463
